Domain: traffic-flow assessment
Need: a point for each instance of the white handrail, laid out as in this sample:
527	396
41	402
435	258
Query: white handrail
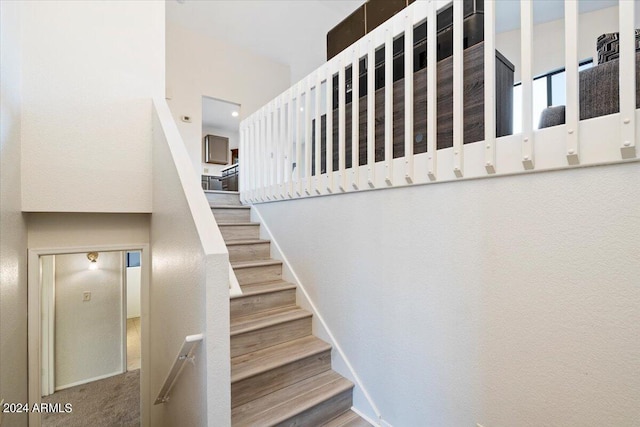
185	354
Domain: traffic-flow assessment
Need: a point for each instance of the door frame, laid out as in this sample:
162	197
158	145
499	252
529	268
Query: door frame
34	305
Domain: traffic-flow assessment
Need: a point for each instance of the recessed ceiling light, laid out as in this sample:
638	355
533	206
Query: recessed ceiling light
301	108
234	113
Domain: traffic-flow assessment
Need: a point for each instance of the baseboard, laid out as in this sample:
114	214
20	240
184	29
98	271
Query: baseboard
286	264
369	420
90	380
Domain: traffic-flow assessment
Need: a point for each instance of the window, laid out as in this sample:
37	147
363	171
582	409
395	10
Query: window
133	259
548	89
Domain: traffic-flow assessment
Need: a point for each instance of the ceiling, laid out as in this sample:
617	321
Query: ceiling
294	32
217	114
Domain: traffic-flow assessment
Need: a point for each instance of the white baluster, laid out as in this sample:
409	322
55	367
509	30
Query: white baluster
408	96
355	117
371	113
490	86
432	93
526	49
388	107
458	90
627	79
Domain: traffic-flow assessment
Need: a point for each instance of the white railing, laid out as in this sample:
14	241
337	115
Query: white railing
186	354
278	158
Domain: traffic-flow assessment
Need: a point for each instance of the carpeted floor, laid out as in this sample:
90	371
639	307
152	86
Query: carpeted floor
112	402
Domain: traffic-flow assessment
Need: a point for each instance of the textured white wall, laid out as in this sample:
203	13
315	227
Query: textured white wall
190	288
510	301
88	334
134	276
89	73
198	65
13	233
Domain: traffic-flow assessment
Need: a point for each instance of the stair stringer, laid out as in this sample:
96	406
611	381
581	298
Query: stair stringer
339	360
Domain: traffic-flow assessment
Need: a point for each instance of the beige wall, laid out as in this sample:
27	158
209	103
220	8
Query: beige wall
88	334
198	66
190	289
90	72
60	230
13	234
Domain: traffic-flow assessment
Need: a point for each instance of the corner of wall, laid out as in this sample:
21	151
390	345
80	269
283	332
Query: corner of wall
13	229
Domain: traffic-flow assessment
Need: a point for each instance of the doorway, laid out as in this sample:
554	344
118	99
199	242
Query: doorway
85	336
220	142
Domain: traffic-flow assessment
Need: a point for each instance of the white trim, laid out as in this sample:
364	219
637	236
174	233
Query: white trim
34	359
86	381
47	289
123	309
366	418
286	264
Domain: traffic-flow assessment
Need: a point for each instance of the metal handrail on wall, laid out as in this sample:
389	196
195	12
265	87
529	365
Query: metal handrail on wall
280	163
184	355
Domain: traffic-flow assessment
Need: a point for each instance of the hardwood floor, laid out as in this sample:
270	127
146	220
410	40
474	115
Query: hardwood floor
280	373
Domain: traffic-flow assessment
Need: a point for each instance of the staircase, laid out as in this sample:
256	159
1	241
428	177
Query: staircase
280	373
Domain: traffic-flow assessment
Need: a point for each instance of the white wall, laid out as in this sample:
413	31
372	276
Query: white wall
90	70
234	142
88	334
510	301
134	277
190	288
548	46
13	243
201	66
61	230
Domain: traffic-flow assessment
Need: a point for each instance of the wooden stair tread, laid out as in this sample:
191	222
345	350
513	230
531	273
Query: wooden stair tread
252	322
238	224
221	192
256	263
246	242
348	419
264	288
251	364
287	402
230	207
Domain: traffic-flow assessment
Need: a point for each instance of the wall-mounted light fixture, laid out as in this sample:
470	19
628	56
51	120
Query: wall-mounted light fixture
93	258
235	114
